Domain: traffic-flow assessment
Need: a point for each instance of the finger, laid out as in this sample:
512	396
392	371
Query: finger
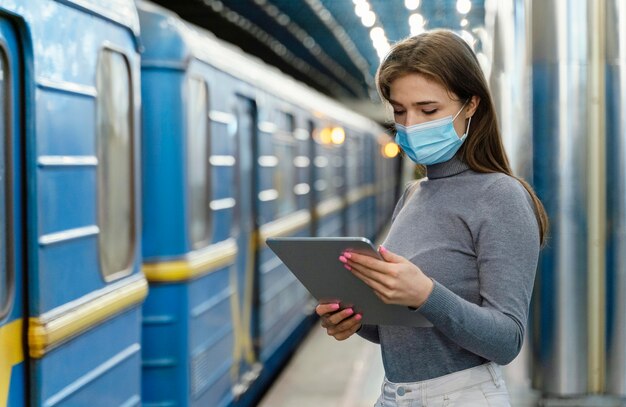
345	325
346	328
372	275
364	260
343	336
375	285
390	256
337	317
323	309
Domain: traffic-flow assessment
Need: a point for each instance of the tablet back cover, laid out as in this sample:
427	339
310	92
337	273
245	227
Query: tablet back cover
315	262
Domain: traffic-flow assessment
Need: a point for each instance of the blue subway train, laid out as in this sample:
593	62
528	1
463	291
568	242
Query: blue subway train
144	163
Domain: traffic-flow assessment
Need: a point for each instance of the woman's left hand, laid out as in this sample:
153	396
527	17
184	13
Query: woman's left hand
395	280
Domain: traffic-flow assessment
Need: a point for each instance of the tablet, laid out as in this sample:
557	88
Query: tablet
315	262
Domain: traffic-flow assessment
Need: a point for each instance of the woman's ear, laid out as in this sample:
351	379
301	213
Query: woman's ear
472	106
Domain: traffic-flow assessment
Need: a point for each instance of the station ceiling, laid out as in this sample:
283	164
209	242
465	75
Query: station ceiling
332	45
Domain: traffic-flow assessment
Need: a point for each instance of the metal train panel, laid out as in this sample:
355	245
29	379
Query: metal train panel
93	364
12	279
163	180
192	332
68	277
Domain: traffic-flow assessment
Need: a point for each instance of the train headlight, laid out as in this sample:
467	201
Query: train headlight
390	150
337	135
324	136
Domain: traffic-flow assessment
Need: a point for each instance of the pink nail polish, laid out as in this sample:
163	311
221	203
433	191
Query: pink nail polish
347	255
349	311
347	267
343	259
358	317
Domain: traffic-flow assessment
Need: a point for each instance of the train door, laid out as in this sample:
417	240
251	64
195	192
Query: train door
12	366
245	232
312	175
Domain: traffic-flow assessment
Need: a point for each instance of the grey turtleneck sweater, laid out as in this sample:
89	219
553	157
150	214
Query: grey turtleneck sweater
476	236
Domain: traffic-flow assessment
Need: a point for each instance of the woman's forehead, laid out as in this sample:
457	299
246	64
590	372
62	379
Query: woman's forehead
418	86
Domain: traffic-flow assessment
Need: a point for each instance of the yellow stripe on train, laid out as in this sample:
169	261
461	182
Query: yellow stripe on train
11	354
194	264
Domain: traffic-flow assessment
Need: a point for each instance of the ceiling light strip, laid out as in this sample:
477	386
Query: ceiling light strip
344	39
311	45
277	47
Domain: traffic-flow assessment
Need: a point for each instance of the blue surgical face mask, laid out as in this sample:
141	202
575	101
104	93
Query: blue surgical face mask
432	142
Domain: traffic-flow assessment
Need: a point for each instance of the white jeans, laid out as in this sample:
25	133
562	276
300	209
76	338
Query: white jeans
479	386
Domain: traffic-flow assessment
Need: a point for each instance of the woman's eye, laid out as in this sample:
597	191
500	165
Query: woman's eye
397	112
429	111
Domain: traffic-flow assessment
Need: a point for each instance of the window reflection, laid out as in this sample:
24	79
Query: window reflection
285	175
197	162
115	165
4	266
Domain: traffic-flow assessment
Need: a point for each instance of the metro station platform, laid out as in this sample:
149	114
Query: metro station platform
330	373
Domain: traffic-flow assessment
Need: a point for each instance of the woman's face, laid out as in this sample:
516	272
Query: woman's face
416	99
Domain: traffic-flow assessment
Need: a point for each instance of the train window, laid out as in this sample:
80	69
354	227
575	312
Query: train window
116	205
285	175
198	175
324	168
5	266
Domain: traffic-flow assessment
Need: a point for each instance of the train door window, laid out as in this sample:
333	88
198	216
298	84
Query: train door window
5	176
352	159
284	177
198	176
116	206
324	152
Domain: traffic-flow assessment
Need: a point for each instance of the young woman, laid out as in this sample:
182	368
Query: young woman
464	242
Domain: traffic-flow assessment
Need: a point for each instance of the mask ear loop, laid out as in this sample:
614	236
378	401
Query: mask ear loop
468	125
459	112
470	118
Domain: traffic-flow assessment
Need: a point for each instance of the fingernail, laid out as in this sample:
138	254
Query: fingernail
334	306
382	249
358	317
349	311
343	259
347	267
347	255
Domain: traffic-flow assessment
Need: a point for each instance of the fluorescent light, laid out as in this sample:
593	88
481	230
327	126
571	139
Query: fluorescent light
377	33
464	22
416	19
463	6
368	19
361	8
411	4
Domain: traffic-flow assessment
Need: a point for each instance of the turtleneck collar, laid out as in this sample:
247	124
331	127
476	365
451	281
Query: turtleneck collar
445	169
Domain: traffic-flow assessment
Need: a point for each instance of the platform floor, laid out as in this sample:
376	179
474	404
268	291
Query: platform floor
330	373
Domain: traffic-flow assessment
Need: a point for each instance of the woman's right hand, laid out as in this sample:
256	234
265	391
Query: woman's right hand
341	324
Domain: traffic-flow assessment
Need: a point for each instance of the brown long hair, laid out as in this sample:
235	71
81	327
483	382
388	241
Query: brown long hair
446	58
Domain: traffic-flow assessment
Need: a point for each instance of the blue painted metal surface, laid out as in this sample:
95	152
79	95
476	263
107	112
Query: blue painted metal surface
189	334
12	270
61	44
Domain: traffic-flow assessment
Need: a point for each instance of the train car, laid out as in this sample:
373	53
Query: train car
69	77
234	152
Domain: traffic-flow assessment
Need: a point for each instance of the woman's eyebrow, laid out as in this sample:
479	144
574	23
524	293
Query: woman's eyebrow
419	103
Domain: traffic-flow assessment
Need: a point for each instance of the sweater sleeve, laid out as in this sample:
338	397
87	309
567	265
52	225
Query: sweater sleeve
369	332
506	240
